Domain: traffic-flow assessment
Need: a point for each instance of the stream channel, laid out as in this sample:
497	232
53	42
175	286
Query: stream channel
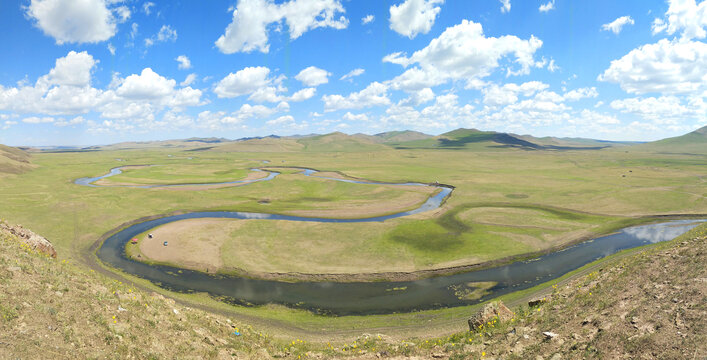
366	298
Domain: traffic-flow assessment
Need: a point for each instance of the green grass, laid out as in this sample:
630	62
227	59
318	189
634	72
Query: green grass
564	191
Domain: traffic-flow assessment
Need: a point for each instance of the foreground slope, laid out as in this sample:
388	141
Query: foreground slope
650	305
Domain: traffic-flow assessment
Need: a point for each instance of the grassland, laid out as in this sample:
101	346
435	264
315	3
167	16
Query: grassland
51	307
508	201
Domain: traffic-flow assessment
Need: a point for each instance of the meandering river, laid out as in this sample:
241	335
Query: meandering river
363	298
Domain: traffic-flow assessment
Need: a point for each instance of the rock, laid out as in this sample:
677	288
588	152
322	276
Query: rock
537	301
549	334
36	242
557	356
14	268
488	313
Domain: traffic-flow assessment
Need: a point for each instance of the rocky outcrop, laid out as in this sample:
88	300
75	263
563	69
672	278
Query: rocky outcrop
490	312
36	242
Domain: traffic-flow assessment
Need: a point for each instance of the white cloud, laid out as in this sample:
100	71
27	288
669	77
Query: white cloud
74	70
593	117
685	15
166	33
38	120
123	13
304	94
75	121
581	93
313	76
367	19
111	48
353	73
505	6
147	85
616	25
668	67
129	103
133	30
445	113
547	6
69	21
188	80
551	66
414	17
418	97
147	6
255	82
661	110
462	52
355	117
248	30
184	62
375	94
507	94
282	120
243	82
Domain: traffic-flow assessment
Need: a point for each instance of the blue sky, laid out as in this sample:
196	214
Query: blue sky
103	71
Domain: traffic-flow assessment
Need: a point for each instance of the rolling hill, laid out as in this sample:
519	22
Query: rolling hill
691	143
13	160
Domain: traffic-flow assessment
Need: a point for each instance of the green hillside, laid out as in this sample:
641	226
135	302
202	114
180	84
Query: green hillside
694	142
13	160
338	141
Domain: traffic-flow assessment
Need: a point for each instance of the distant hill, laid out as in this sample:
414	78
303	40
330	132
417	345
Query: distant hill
476	139
691	143
573	142
264	144
13	160
338	141
401	136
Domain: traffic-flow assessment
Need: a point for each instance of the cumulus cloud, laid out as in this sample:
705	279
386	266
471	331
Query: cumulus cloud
578	94
74	69
166	33
147	85
354	117
188	80
68	21
418	97
686	16
243	82
618	24
593	117
462	52
351	74
414	17
663	109
547	6
367	19
75	121
301	95
248	30
505	6
313	76
257	83
184	62
128	103
507	94
375	94
667	67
